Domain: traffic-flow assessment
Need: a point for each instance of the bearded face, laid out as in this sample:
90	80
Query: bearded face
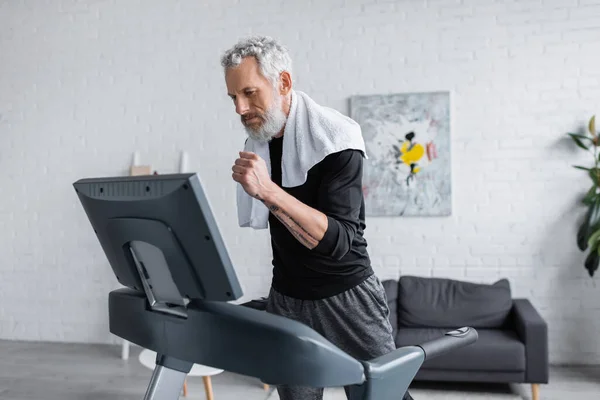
263	126
257	100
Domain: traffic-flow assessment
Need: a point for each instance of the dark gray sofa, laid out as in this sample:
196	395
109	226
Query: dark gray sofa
513	337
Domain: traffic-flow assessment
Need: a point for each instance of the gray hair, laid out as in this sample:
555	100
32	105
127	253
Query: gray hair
272	57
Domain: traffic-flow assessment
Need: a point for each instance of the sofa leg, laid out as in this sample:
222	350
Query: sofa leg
535	391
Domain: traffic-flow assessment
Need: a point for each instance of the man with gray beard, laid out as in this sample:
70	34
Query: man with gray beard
322	274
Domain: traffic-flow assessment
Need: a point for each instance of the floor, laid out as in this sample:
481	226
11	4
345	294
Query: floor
52	371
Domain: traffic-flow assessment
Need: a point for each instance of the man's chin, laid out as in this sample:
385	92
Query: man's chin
259	136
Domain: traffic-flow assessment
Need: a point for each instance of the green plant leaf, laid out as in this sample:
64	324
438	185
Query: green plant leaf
591	262
593	172
580	167
594	217
592	126
582	232
579	135
590	196
582	243
593	240
578	140
590	225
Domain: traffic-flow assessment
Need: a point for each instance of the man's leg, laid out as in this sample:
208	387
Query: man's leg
357	321
297	310
299	393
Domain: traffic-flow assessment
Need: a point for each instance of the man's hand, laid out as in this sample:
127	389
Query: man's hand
307	224
250	170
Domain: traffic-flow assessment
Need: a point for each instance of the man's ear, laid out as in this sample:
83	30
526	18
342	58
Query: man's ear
285	85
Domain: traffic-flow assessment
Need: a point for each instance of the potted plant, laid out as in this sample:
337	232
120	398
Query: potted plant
588	234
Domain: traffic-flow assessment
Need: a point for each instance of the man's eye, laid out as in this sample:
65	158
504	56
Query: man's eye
250	93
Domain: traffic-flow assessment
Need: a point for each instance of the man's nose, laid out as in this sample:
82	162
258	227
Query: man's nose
241	106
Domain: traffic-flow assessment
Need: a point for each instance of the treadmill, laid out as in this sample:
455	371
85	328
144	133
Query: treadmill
163	244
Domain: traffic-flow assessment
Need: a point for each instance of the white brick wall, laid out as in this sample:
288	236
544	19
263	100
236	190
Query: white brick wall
84	84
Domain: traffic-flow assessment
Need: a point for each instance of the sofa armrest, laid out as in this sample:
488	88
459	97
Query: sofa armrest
532	329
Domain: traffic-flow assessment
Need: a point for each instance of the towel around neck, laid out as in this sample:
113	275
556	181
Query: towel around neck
311	133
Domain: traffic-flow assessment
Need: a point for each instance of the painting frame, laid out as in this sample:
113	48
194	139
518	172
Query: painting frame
429	116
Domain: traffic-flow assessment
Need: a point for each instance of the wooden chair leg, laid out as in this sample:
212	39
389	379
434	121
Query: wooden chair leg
535	391
208	387
185	388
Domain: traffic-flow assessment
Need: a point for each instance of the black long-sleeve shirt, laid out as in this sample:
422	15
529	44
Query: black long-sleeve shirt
340	261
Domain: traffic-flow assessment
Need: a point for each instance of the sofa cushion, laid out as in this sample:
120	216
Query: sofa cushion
447	303
494	350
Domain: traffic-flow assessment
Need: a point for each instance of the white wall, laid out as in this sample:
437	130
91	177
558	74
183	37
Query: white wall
84	84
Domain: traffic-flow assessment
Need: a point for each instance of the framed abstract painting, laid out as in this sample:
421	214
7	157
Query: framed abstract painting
407	138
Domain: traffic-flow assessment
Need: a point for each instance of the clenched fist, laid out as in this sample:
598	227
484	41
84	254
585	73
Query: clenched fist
250	170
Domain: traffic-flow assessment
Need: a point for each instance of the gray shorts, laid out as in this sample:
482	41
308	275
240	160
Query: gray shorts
356	321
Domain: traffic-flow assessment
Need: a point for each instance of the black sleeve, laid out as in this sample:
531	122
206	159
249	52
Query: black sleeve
340	199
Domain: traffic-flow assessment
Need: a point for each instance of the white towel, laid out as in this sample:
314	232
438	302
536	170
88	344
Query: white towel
311	133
